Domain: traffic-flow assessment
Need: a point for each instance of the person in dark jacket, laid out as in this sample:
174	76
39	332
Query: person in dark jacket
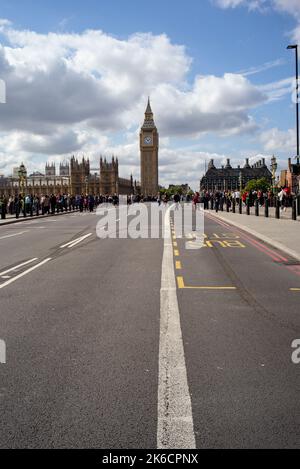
17	206
91	203
81	203
53	204
218	197
3	206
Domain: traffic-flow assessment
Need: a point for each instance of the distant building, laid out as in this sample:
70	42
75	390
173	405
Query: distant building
64	169
15	172
50	170
228	178
290	177
185	188
74	178
149	146
110	182
79	177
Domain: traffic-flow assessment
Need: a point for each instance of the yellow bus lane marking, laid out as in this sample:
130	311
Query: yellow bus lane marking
182	286
223	240
178	265
294	289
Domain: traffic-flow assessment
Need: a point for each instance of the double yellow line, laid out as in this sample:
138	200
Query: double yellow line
180	281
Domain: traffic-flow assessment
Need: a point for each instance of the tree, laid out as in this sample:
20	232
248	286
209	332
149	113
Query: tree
258	185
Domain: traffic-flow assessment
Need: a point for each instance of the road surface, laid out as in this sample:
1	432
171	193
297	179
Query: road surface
94	360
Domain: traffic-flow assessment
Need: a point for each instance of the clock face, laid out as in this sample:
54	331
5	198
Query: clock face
148	140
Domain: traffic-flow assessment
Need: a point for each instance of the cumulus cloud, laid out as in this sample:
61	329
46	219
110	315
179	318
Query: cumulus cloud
219	103
72	92
250	4
289	6
275	140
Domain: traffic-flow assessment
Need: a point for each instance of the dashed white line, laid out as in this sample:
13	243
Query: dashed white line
175	428
74	242
18	266
5	284
15	234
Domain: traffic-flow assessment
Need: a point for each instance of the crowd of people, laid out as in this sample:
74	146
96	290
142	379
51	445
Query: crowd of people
31	205
217	199
44	205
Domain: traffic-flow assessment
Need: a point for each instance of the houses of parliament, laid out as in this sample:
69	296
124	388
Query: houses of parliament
75	177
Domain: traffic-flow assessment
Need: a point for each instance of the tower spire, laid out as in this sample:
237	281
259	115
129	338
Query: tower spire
149	120
148	109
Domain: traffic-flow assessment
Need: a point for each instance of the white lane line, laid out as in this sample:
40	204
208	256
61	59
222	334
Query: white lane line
15	234
5	284
80	240
175	428
18	266
74	242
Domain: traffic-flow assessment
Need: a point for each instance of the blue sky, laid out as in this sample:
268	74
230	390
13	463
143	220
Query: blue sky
210	66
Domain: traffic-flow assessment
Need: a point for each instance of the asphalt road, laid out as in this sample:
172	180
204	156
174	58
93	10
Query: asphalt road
83	330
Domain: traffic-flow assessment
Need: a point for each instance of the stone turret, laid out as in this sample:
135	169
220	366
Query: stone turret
50	170
228	165
211	164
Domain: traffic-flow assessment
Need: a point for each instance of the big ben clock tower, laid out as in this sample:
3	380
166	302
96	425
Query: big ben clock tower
149	144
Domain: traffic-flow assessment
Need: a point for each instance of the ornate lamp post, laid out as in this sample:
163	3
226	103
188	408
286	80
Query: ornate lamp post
86	184
274	167
22	173
241	181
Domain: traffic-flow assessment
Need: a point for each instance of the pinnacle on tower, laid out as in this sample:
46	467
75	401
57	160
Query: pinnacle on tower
149	121
148	109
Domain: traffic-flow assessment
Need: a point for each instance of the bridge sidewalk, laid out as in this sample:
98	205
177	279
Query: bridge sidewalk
10	219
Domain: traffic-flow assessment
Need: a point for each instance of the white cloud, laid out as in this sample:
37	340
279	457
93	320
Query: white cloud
250	4
275	140
72	92
262	68
229	3
278	89
289	6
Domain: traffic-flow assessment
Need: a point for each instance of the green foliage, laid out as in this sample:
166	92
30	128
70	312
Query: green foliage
173	190
258	184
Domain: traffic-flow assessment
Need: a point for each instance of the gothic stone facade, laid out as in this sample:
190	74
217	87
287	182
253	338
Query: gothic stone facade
110	182
38	183
228	178
76	178
149	145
